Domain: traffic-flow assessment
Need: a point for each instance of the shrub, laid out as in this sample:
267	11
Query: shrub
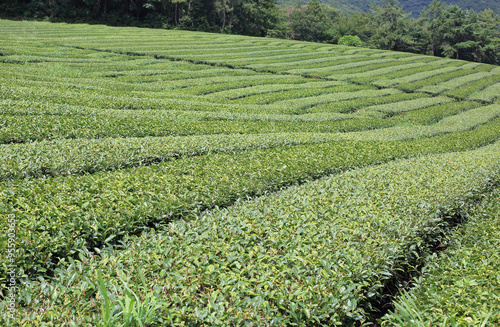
350	40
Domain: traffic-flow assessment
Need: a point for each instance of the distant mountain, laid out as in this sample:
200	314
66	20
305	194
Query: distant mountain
416	6
410	6
349	6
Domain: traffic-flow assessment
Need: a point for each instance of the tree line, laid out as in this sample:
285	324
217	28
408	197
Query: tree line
440	30
246	17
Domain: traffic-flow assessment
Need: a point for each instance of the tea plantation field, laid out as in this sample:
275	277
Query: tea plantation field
174	178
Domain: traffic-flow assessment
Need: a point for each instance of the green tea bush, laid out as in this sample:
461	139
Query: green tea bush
200	88
489	94
89	204
459	287
312	254
298	105
27	128
454	83
285	62
81	156
433	114
416	85
470	89
259	90
279	98
268	215
326	71
311	65
404	106
460	122
60	216
363	77
349	106
417	76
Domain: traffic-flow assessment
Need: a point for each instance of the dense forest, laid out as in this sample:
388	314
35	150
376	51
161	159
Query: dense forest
414	7
417	6
440	29
247	17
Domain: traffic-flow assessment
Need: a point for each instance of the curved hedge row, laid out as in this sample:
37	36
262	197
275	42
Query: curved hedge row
313	254
81	156
459	287
62	215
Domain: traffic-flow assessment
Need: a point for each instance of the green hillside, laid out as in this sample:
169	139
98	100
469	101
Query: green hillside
155	177
416	7
413	6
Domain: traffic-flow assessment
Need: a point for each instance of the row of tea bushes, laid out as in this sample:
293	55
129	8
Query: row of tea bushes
351	105
374	67
314	63
59	216
414	86
461	286
470	89
458	141
418	76
488	94
404	106
184	111
425	63
461	122
275	56
318	58
206	86
82	122
316	254
295	93
36	121
347	67
432	114
54	91
436	79
454	83
263	89
26	128
81	156
299	105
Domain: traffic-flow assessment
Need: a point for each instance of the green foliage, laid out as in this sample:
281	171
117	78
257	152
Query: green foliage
461	29
470	89
92	211
461	122
391	26
413	7
454	83
132	310
407	82
77	157
309	24
96	201
275	259
350	40
247	17
173	177
459	287
355	24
